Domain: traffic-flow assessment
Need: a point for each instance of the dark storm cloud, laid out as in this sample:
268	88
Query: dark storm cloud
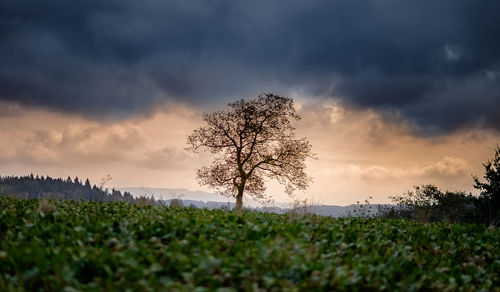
435	63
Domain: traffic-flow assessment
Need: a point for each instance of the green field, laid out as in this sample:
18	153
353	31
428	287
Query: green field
58	245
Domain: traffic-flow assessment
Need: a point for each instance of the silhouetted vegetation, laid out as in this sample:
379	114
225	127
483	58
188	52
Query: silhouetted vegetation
489	199
39	187
429	204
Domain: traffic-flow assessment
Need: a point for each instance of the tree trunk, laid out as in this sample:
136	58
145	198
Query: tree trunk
239	200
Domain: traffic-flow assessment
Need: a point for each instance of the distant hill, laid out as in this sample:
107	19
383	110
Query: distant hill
200	199
168	194
355	210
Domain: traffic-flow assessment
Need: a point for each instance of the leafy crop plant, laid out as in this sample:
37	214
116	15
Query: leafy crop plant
88	246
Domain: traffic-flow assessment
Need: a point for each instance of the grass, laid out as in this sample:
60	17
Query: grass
64	245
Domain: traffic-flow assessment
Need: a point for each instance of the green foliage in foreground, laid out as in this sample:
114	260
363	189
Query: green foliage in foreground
68	245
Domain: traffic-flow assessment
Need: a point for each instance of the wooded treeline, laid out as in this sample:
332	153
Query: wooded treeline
40	187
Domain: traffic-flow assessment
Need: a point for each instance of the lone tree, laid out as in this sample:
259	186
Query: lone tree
253	140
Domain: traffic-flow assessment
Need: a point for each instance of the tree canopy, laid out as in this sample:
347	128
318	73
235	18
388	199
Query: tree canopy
253	140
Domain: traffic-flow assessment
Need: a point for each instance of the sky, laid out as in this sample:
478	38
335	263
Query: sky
392	93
